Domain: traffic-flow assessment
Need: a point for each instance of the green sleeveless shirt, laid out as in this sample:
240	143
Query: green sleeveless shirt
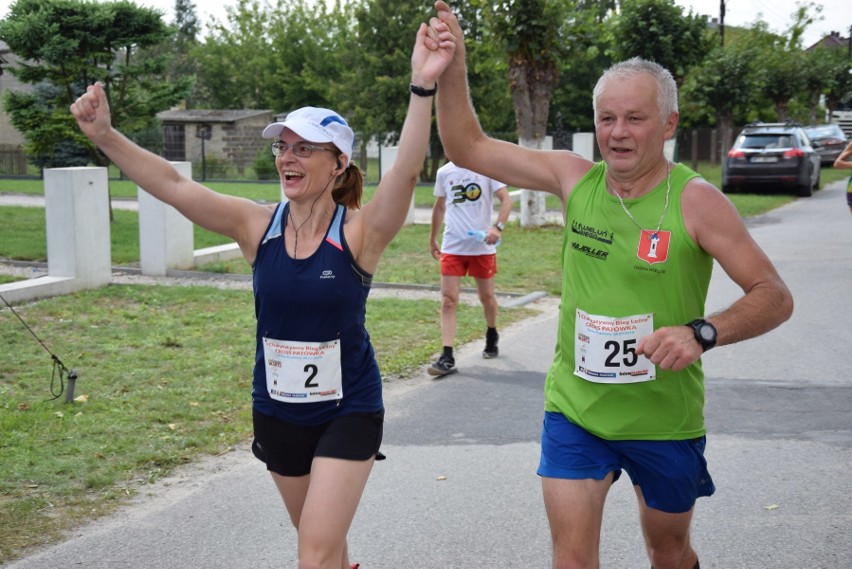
609	271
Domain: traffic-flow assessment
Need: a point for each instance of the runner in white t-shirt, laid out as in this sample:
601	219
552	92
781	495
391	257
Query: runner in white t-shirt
464	202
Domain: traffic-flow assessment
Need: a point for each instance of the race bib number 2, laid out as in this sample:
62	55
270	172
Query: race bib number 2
303	372
605	348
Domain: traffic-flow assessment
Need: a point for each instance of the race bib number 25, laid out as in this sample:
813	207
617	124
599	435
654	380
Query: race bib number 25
605	348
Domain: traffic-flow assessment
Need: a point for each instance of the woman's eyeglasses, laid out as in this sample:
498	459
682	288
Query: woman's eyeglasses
300	149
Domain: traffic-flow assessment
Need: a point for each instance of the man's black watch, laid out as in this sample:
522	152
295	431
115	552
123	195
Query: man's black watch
705	333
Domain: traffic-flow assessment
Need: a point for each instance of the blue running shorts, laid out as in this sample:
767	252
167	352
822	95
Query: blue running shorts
671	474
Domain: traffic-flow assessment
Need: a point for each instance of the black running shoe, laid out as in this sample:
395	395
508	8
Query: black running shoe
491	350
443	366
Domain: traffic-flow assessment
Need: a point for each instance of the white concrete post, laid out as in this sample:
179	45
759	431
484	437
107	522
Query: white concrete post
583	144
533	207
166	238
78	235
76	210
669	149
387	157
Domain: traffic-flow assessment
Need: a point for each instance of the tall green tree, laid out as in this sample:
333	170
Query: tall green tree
313	47
235	63
380	71
67	45
784	78
806	14
187	24
724	86
788	84
183	41
817	68
659	31
590	51
487	72
534	34
277	56
839	88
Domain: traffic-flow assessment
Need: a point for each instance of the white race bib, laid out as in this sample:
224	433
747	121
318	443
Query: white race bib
605	348
303	372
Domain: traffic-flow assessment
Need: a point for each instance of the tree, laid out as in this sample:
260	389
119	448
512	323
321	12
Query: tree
235	63
839	88
68	44
589	52
186	22
725	85
488	69
314	47
32	111
659	31
277	57
379	71
183	41
817	71
532	32
787	80
806	13
784	78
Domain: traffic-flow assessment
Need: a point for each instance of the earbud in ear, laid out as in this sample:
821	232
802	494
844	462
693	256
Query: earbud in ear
339	165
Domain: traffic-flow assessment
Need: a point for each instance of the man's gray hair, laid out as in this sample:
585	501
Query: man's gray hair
666	86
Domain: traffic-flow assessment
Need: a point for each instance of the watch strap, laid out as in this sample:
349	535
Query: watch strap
422	91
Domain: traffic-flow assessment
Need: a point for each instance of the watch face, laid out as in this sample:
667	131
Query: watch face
706	332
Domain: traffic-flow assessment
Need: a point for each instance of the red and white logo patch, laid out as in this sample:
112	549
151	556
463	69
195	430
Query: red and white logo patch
654	246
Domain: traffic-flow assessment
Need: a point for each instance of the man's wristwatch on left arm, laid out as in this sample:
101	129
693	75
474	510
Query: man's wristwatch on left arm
500	226
705	333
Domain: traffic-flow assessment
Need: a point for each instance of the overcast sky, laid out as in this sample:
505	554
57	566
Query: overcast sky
777	13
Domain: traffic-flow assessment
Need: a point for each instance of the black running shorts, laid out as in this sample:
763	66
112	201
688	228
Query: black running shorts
289	449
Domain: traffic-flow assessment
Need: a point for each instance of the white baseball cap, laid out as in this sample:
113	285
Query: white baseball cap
316	125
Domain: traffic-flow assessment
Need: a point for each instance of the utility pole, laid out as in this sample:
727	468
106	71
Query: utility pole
722	22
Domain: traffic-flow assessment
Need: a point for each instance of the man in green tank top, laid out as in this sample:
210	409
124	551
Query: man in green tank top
625	389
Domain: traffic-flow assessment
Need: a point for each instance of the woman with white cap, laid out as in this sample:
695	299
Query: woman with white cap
317	401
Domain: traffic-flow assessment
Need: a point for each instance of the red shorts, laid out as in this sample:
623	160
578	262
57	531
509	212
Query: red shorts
479	266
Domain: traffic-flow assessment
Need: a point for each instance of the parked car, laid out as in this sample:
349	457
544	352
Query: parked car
828	140
769	156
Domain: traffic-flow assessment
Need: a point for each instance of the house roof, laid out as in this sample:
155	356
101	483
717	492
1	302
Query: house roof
834	39
210	115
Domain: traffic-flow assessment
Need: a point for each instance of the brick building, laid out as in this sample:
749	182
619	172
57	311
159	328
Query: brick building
232	137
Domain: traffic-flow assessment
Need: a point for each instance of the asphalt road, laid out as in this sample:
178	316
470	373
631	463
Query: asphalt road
459	489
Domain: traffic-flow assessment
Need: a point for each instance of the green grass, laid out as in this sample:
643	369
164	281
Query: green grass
527	261
23	235
164	377
407	259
